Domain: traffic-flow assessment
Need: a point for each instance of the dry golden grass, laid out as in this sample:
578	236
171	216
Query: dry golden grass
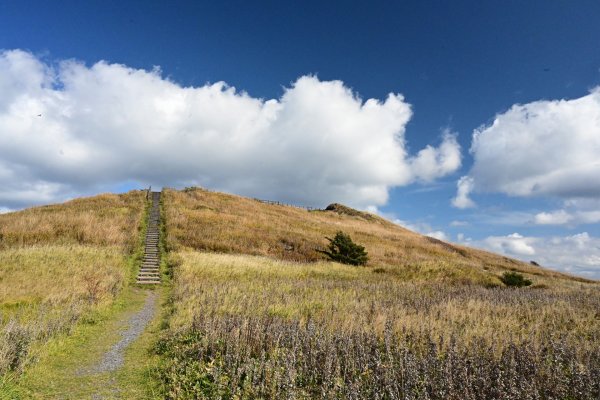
255	327
350	299
203	220
45	290
258	312
60	274
59	263
104	220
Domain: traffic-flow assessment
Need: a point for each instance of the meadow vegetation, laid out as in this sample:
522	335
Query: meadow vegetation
203	220
104	220
61	264
256	312
255	327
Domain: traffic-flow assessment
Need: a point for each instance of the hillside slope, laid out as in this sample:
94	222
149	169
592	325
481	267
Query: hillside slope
58	264
257	312
203	220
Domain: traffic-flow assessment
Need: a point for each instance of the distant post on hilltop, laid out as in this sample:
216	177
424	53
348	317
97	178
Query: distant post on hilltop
148	192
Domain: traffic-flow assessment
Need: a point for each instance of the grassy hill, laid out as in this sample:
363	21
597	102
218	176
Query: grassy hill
254	310
217	222
59	264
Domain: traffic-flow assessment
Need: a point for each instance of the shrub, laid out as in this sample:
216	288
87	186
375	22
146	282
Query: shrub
343	249
514	279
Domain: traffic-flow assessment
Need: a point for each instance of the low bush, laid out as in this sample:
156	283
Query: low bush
514	279
343	249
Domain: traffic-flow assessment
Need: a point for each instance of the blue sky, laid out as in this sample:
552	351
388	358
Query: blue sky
458	65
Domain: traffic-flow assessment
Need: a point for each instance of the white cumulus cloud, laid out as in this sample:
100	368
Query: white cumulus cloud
67	128
543	148
464	189
564	217
431	162
514	244
578	254
559	217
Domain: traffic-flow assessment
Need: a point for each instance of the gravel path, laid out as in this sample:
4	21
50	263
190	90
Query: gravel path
114	358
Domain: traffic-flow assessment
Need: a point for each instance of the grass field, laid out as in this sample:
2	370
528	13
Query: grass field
256	312
255	327
60	264
253	310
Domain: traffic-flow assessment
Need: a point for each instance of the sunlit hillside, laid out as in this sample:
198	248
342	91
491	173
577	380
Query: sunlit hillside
251	308
210	221
59	263
257	312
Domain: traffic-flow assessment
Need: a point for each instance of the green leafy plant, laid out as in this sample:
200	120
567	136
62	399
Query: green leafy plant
514	279
343	249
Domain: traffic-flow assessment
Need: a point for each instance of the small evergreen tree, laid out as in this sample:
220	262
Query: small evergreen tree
343	249
514	279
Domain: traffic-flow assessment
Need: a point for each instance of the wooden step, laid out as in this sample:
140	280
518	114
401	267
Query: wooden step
147	278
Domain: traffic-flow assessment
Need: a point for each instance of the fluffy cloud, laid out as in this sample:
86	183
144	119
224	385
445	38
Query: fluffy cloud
543	148
559	217
431	163
563	217
514	244
464	189
68	128
577	254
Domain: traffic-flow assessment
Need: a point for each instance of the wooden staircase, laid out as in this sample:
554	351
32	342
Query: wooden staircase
150	271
